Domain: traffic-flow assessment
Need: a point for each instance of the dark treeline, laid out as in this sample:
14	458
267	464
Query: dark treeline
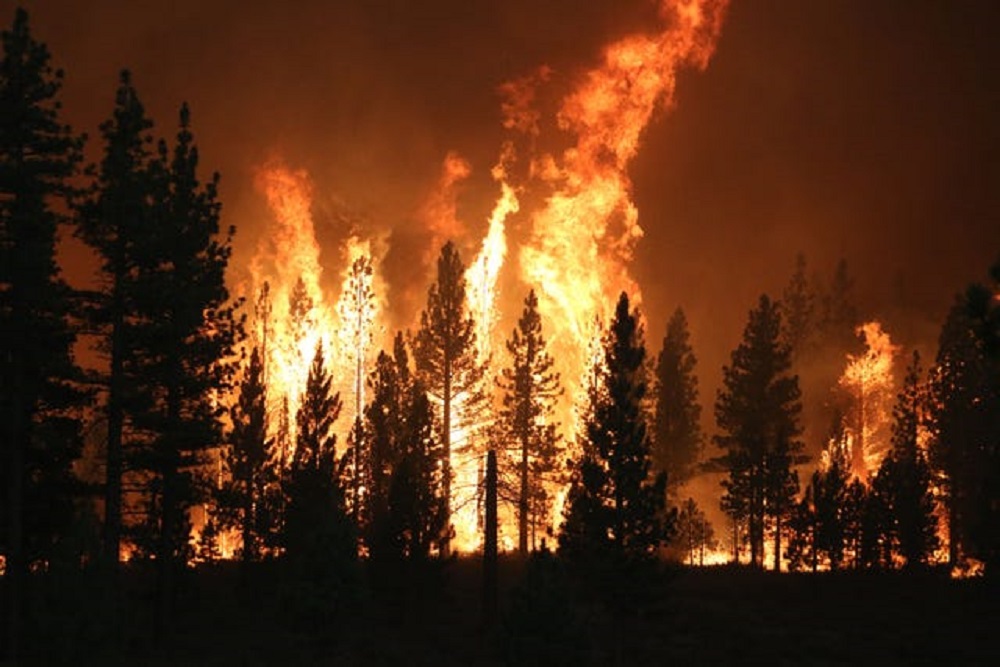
103	470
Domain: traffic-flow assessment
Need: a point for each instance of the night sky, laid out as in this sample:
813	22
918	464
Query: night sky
843	128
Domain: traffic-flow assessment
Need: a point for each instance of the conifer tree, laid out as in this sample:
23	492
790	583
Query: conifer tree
530	388
316	515
616	506
249	497
677	436
39	157
407	505
444	349
117	223
798	310
908	477
186	350
757	411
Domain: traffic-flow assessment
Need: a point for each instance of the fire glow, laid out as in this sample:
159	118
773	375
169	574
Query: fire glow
577	244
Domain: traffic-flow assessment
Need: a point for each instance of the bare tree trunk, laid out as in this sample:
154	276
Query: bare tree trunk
490	550
15	514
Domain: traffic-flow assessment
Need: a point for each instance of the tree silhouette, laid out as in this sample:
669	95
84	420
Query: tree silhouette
677	436
445	352
798	310
907	477
39	157
407	502
757	411
316	515
249	497
530	388
694	533
615	505
117	223
318	536
960	421
185	354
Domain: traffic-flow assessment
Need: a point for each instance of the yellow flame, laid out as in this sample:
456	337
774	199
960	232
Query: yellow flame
868	379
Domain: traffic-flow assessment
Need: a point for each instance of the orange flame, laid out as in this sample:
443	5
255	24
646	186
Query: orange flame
868	378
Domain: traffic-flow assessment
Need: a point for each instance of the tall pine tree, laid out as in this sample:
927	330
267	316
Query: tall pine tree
530	388
186	352
677	436
616	505
444	349
117	224
907	477
757	411
39	156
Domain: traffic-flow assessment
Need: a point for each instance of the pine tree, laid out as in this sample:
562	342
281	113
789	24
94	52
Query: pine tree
319	539
694	533
117	224
677	436
316	516
838	314
616	506
39	157
407	505
444	349
249	496
960	421
530	389
757	411
798	310
908	477
186	350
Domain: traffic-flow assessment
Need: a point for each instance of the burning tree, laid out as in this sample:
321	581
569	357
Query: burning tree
357	310
531	388
447	364
758	412
868	382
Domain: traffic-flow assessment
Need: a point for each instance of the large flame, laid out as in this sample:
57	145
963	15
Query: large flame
577	234
583	237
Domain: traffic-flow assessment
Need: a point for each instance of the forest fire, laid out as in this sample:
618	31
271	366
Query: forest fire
579	242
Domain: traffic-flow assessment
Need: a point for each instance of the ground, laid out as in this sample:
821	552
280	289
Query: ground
697	616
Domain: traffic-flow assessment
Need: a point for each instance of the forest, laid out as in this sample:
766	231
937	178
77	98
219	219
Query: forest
194	475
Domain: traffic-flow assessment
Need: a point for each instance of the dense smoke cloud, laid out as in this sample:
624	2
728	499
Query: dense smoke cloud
838	128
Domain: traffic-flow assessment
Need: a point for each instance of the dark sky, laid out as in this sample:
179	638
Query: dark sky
865	129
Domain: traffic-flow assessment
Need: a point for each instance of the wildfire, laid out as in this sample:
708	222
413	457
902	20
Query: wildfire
583	237
578	233
868	380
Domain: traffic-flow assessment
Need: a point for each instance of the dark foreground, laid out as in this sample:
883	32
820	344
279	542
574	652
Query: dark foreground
689	617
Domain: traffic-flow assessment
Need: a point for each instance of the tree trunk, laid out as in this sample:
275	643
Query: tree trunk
446	419
522	507
115	453
15	513
490	554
